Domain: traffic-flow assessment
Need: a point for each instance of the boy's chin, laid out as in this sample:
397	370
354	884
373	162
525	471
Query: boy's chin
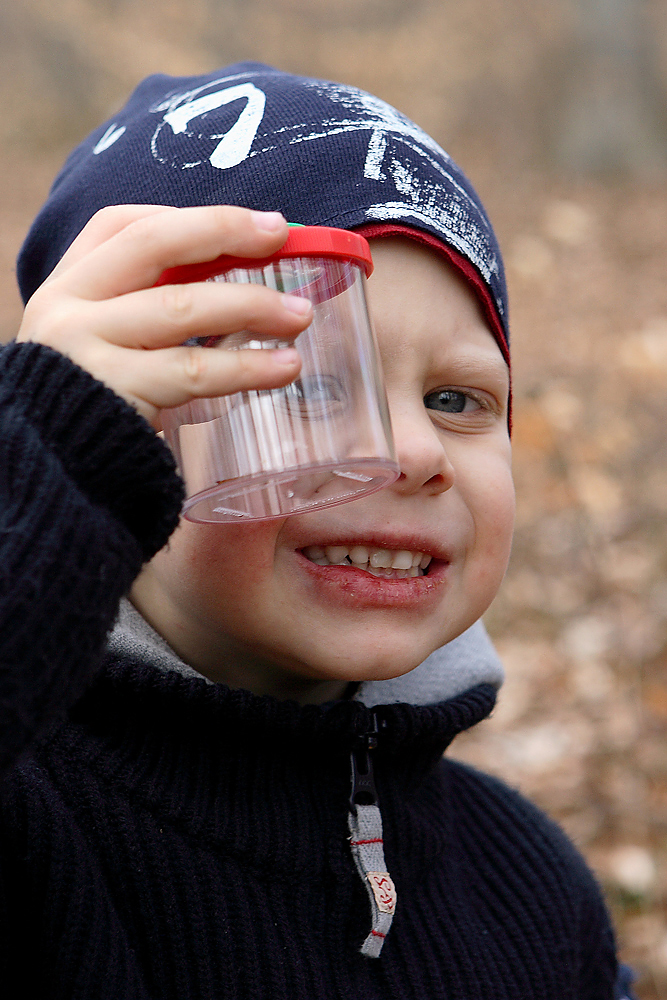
362	665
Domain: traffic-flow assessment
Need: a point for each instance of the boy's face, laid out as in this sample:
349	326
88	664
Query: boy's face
248	605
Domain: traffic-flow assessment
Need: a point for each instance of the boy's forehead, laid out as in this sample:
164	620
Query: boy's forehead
453	262
320	152
421	302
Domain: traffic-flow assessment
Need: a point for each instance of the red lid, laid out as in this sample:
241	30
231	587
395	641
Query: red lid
303	241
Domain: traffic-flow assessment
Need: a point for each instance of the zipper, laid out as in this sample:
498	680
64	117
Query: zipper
364	792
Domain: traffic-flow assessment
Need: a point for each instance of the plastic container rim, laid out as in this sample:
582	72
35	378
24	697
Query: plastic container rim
386	467
303	241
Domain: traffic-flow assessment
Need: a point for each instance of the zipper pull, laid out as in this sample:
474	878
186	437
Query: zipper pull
366	843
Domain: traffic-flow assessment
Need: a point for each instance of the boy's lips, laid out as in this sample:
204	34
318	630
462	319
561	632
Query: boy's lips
373	572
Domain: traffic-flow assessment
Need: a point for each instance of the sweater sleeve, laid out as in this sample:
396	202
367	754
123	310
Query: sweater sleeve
88	493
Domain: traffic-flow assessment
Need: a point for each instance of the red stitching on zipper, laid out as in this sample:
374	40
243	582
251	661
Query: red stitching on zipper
377	934
377	840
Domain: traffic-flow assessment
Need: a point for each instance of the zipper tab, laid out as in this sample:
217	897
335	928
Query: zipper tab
366	842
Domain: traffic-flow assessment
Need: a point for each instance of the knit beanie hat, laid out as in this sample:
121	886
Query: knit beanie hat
321	153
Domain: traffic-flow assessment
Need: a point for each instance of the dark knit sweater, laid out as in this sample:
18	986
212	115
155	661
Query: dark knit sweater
164	837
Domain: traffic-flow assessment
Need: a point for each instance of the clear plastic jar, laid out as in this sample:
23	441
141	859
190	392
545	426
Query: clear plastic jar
323	439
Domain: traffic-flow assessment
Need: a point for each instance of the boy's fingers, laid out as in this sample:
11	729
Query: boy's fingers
169	315
103	225
172	376
136	256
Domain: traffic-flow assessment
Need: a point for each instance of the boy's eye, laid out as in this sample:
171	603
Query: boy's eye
450	401
316	394
316	388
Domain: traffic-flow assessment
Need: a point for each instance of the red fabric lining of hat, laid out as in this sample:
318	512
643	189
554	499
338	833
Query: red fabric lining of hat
472	278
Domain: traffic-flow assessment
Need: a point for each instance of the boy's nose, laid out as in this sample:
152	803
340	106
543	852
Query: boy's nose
422	457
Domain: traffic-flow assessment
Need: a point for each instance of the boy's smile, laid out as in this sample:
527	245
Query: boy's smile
386	563
364	590
376	571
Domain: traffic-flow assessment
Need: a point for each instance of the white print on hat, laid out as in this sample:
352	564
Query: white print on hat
112	134
396	146
368	112
422	201
393	138
235	144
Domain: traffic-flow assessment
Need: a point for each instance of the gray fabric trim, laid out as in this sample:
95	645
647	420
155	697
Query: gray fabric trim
461	664
133	636
464	662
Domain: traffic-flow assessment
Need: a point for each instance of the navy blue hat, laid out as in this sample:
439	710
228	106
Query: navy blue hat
321	153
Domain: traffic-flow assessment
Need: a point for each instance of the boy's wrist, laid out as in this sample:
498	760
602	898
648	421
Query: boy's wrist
106	447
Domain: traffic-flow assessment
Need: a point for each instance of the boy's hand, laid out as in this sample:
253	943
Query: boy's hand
99	306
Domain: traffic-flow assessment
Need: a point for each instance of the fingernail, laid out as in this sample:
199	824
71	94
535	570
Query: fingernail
296	304
268	222
285	356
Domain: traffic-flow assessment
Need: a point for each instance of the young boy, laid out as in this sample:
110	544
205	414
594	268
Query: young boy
178	813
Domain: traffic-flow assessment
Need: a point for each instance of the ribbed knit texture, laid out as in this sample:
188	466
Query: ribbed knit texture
76	522
175	839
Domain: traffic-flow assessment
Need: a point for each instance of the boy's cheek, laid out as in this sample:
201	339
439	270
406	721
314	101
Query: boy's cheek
238	549
504	519
207	567
487	483
495	521
504	509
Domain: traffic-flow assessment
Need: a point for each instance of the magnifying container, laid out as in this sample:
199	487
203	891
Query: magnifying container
323	439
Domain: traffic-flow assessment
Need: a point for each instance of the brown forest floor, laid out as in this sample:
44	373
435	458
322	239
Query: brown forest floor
581	621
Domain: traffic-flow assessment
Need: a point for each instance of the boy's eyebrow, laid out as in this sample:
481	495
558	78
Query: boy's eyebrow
487	364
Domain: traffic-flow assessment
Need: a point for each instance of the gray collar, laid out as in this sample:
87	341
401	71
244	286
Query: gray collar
463	663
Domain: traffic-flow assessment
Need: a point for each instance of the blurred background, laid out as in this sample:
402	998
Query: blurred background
557	110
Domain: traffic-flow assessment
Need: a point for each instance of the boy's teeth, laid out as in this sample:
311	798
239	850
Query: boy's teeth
336	554
380	559
388	563
359	555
